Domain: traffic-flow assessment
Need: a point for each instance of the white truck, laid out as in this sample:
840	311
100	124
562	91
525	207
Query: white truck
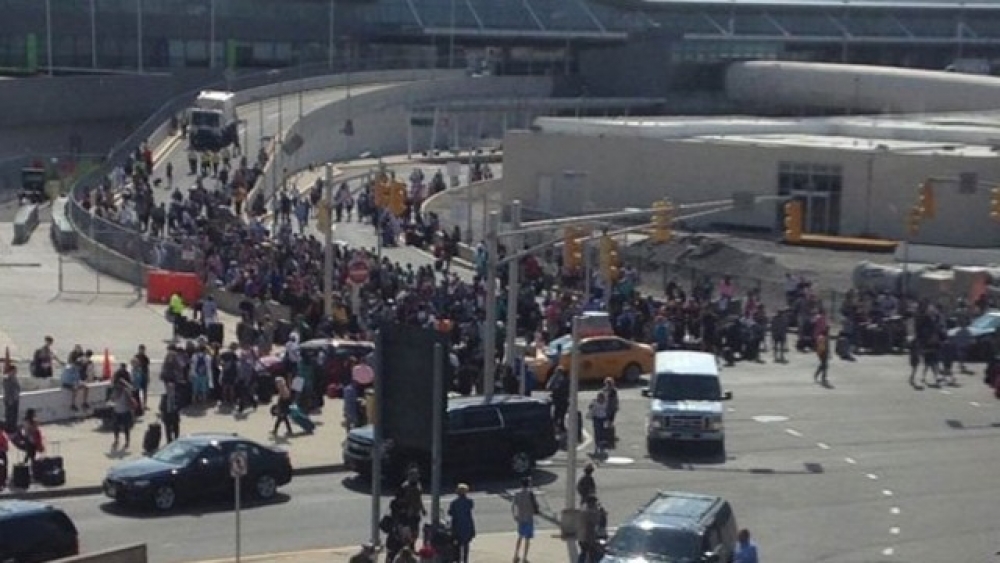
212	122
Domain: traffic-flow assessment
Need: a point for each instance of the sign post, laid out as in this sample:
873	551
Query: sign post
238	470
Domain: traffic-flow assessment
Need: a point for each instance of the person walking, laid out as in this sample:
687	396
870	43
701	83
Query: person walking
779	335
746	550
823	354
31	440
141	375
558	386
524	507
913	349
123	407
281	409
597	412
11	398
586	486
170	413
463	526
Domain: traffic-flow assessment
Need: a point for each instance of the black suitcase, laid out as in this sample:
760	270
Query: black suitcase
44	465
188	328
216	333
151	439
20	477
55	477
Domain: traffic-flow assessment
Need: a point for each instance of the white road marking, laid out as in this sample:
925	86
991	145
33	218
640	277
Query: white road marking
894	510
894	531
823	446
767	418
850	460
872	476
945	392
888	551
793	432
975	404
886	493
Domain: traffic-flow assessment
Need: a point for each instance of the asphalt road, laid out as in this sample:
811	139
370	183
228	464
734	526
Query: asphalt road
868	471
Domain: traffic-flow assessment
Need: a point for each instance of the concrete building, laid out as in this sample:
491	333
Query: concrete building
856	175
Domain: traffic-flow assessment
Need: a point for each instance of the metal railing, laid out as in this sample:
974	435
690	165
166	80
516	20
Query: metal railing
165	254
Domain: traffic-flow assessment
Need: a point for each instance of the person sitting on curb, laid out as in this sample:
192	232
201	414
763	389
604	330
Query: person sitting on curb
74	380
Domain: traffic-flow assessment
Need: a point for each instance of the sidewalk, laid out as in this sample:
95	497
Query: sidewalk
86	448
486	548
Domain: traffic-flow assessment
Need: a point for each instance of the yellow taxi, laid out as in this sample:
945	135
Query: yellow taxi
600	357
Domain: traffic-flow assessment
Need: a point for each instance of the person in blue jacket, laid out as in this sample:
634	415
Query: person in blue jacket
463	527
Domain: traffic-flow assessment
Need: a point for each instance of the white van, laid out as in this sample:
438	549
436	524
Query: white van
686	400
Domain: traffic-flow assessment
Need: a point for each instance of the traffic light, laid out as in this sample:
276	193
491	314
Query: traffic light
793	221
913	220
995	204
610	260
663	218
572	250
925	200
382	194
397	198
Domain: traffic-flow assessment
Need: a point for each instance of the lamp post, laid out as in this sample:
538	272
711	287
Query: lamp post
513	291
48	34
330	34
490	324
211	34
138	30
93	34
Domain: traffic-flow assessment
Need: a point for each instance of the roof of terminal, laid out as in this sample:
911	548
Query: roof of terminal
965	134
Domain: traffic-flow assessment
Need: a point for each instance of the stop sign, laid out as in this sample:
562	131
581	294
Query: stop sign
357	271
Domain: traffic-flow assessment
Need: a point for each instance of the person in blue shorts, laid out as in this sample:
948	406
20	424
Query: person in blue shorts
524	507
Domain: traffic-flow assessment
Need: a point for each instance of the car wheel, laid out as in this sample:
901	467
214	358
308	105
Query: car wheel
521	463
164	498
632	373
265	487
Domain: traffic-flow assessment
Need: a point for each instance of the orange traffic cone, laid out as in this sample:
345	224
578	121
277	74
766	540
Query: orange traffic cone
107	365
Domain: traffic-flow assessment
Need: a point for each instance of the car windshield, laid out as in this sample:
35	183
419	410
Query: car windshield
178	453
660	544
563	344
986	322
205	119
676	387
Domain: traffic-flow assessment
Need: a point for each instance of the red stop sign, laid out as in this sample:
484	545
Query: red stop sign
357	271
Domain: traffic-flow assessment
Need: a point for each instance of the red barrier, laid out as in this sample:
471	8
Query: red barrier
161	284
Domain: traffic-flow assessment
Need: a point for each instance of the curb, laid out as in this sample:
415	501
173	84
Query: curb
85	490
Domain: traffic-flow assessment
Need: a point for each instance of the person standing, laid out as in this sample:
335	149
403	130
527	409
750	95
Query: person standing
140	374
11	397
524	507
31	437
281	408
586	486
170	413
463	526
598	414
122	406
746	550
558	387
779	335
823	354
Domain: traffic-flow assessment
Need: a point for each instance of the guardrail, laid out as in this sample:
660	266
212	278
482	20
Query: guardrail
125	243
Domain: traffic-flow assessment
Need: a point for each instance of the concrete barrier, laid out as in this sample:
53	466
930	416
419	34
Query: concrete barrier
25	223
62	231
128	554
53	403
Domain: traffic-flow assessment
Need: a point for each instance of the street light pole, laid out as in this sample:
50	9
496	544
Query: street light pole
138	27
211	34
573	425
513	290
93	34
490	324
48	34
451	38
330	35
328	243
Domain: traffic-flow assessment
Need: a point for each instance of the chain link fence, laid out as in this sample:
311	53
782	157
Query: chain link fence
162	254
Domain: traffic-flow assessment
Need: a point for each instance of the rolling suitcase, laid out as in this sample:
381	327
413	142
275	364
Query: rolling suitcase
301	419
215	333
20	477
151	439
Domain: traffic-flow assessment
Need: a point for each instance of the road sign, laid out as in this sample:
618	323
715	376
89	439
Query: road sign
238	464
358	271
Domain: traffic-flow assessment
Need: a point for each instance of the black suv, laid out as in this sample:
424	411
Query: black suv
510	432
677	526
32	532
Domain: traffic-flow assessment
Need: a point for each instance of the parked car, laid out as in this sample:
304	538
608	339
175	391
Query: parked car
676	526
195	467
980	333
510	432
32	532
600	357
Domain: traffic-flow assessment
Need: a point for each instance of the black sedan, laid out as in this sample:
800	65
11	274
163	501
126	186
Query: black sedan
194	467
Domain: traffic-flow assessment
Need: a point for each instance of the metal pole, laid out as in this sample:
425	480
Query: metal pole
328	243
138	27
376	534
60	273
438	428
48	34
211	34
586	273
93	34
451	38
490	328
236	495
573	425
330	39
513	289
300	87
468	216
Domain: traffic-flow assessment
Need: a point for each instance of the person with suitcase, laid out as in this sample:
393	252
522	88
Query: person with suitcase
281	408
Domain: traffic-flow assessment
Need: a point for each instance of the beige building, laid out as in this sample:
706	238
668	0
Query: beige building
856	176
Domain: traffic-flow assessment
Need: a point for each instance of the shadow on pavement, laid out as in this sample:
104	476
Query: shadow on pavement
214	506
483	483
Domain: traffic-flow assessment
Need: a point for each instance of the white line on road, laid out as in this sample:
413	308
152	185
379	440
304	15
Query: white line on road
975	404
895	510
872	476
823	446
945	392
886	493
850	460
888	551
894	531
793	432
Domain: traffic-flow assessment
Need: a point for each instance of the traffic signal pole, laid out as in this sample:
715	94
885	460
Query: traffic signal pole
513	291
328	243
490	323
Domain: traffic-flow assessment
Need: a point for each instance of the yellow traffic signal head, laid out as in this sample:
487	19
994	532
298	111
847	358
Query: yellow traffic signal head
572	250
913	220
925	200
793	221
663	218
995	204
